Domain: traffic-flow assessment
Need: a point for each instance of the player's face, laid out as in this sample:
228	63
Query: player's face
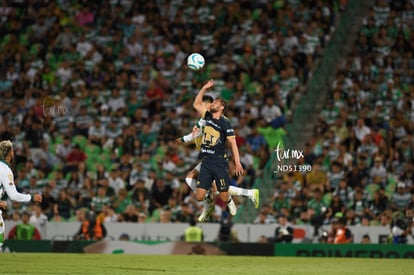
216	106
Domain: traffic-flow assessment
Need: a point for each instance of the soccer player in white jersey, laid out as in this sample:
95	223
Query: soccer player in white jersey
191	178
7	182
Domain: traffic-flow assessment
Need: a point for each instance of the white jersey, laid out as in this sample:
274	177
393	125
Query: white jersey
7	185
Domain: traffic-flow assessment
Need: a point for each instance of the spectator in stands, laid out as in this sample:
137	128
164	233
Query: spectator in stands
401	198
141	196
344	193
63	149
91	228
257	146
317	208
378	173
130	214
361	130
96	133
184	213
37	216
100	199
317	179
24	230
83	122
365	239
266	215
73	159
64	204
399	231
270	111
284	232
263	218
280	201
193	233
226	232
342	234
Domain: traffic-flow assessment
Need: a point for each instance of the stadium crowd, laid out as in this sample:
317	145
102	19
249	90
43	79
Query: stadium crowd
362	149
94	95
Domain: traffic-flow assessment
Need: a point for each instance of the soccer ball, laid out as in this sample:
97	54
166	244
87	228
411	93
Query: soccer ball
195	61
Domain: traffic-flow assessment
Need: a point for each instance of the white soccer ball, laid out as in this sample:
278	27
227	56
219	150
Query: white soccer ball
195	61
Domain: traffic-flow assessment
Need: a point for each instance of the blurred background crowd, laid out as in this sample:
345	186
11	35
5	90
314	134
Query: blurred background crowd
362	147
94	95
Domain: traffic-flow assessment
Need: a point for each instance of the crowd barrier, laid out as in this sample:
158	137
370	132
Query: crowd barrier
212	248
246	233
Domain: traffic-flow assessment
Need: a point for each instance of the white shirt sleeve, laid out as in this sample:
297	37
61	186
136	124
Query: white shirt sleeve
190	137
7	180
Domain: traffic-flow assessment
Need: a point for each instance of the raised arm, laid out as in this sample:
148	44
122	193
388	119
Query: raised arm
198	101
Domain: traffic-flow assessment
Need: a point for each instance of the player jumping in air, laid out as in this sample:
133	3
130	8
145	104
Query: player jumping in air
191	178
214	159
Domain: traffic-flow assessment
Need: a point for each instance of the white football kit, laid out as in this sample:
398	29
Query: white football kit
7	186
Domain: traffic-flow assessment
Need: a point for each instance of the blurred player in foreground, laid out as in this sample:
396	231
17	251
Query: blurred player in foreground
7	182
191	178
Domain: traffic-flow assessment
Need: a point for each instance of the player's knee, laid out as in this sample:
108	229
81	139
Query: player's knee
200	196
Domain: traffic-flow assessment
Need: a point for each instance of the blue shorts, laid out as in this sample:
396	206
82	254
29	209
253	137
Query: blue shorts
214	169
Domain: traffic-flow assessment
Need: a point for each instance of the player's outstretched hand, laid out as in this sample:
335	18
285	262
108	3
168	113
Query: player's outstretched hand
209	84
178	141
37	198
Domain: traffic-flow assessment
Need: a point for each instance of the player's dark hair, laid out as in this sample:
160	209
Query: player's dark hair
207	98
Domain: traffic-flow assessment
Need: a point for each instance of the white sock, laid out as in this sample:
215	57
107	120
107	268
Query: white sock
192	183
237	191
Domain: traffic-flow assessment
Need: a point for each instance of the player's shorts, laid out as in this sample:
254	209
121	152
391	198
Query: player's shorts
214	169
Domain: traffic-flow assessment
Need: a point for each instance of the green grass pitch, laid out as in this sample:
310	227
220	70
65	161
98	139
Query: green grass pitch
36	263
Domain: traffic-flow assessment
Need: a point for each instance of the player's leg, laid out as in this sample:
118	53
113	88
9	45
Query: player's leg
2	229
203	185
222	179
252	194
230	202
191	178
